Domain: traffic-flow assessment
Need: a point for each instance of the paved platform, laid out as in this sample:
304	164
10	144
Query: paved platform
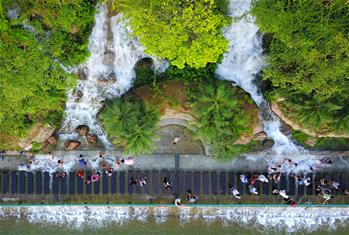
202	183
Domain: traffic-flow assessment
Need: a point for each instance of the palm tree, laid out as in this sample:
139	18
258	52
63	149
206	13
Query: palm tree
219	117
131	125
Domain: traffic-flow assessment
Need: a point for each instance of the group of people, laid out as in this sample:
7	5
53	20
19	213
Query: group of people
324	187
83	165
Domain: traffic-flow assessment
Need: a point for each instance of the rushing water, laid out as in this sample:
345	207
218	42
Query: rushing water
243	62
108	72
152	220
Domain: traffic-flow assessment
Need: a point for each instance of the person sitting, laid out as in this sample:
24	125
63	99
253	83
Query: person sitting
95	177
60	175
167	184
82	161
176	140
304	181
143	181
80	173
263	179
235	192
109	171
133	180
253	190
244	179
283	193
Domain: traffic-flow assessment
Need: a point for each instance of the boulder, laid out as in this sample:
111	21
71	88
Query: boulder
285	129
72	144
79	93
268	143
260	136
38	133
91	138
52	140
82	75
83	130
24	144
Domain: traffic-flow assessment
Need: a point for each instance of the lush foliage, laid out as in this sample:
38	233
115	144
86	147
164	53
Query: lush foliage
220	118
322	143
185	32
33	42
131	125
63	27
308	57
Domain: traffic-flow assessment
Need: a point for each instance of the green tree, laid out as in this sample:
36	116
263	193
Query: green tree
33	85
220	119
308	57
131	125
185	32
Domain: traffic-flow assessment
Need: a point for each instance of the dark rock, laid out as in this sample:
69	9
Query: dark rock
82	75
285	129
72	144
82	130
144	63
91	138
268	143
52	140
79	93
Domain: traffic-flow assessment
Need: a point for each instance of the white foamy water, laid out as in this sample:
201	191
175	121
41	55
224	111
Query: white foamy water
286	219
109	73
241	64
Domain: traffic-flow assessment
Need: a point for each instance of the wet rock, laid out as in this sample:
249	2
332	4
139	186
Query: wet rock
79	93
72	144
91	138
260	136
144	63
52	140
107	79
82	130
268	143
82	75
285	129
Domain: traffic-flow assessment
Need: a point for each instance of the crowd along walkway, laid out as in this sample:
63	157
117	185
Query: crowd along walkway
202	183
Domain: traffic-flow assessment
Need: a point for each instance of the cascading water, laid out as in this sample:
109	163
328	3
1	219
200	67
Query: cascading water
241	64
282	220
108	73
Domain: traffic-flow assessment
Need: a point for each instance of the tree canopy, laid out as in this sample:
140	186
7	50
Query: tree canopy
308	58
220	119
184	32
131	125
34	39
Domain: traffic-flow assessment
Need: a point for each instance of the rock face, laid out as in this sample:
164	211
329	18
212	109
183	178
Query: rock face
83	130
297	126
72	144
268	143
40	134
260	136
91	138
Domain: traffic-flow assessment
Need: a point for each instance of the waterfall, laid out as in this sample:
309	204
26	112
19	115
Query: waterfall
107	74
241	64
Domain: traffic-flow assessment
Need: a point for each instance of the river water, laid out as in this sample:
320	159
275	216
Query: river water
172	220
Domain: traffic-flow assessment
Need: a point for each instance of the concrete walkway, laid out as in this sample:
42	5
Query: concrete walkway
252	163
